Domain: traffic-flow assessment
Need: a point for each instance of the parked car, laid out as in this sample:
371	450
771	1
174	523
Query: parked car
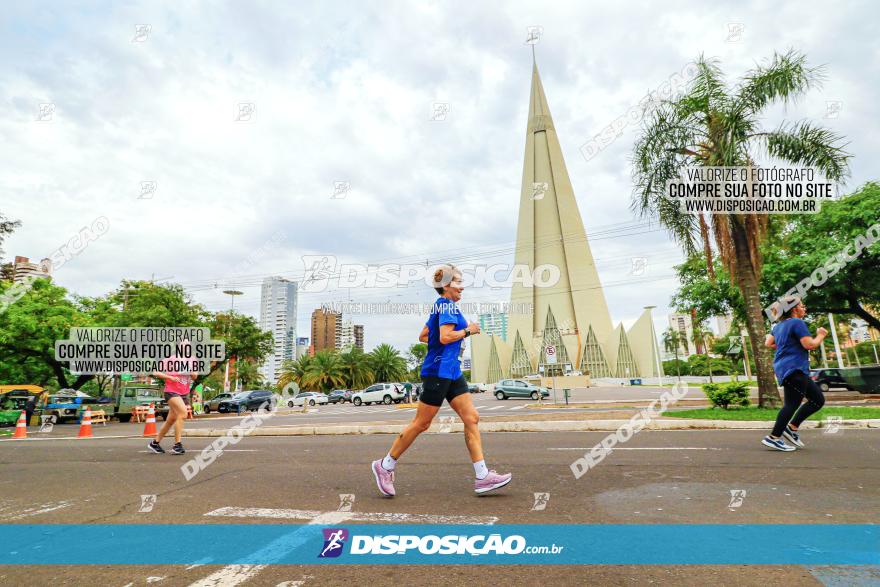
214	403
507	388
477	387
307	397
828	378
339	396
385	393
248	401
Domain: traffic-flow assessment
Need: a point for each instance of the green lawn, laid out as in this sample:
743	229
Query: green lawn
847	413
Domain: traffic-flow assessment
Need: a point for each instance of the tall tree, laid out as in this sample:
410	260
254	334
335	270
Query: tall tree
811	240
714	125
387	364
325	371
6	228
702	338
356	368
672	344
30	327
294	372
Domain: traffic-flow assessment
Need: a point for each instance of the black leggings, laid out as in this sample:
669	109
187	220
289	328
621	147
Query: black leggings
798	386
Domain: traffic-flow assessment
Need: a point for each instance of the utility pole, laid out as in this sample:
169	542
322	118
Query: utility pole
231	293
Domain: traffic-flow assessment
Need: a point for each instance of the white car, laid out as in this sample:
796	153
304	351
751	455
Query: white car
310	397
384	393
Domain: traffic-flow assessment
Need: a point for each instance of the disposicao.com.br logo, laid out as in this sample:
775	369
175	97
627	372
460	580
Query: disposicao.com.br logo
454	544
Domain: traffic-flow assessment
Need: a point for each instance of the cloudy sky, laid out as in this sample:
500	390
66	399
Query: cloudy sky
150	94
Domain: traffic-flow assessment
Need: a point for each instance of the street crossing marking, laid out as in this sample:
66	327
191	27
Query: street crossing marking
374	517
642	448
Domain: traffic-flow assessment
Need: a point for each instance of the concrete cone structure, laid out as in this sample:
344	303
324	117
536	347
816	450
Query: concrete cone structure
85	427
571	314
21	426
150	425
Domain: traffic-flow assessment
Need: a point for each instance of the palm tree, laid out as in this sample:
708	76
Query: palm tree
714	125
356	368
702	337
248	374
325	371
387	364
294	372
671	343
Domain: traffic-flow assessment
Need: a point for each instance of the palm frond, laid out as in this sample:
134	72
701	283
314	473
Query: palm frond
806	144
786	77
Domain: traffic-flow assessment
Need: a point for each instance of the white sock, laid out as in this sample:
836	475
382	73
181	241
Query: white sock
388	462
480	469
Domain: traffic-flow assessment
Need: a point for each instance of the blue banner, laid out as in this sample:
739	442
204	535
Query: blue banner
564	544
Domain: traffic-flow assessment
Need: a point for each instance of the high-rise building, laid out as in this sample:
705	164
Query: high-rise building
278	303
345	336
683	324
324	326
331	332
359	336
570	314
494	324
22	268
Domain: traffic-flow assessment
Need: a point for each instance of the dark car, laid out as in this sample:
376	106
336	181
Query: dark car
247	401
339	396
828	378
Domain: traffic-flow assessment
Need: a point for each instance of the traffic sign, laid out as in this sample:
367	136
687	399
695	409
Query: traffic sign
550	353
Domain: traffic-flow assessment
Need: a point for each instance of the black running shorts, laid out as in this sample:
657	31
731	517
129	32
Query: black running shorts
436	389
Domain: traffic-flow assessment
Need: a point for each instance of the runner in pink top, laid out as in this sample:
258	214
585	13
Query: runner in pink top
177	389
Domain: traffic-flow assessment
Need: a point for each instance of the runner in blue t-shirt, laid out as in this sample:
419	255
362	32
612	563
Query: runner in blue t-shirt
792	341
442	379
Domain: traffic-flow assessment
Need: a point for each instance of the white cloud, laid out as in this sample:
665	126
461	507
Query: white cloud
344	92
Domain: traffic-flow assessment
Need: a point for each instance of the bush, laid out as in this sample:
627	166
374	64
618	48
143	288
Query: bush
669	367
699	365
724	395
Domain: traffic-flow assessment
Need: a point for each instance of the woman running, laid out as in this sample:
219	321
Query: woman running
176	391
792	341
442	379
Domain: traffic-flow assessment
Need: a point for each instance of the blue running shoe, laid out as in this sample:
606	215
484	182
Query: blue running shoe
793	437
777	444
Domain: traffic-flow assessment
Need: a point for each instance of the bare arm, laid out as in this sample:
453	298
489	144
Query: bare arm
423	337
814	342
770	341
448	333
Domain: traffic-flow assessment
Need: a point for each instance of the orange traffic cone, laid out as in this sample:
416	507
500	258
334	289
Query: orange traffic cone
20	427
150	426
85	427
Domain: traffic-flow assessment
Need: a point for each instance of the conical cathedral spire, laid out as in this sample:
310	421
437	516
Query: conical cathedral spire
551	237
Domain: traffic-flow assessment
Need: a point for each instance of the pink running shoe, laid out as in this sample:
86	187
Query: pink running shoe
492	481
384	478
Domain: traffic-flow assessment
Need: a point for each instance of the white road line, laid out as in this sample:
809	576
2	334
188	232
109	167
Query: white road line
224	450
495	408
232	575
42	509
517	408
644	448
288	514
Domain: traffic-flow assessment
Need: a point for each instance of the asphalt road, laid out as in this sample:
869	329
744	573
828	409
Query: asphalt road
661	477
347	413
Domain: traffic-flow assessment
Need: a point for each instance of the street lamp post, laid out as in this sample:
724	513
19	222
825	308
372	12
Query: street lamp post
231	293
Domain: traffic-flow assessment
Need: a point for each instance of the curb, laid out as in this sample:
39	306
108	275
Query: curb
521	426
